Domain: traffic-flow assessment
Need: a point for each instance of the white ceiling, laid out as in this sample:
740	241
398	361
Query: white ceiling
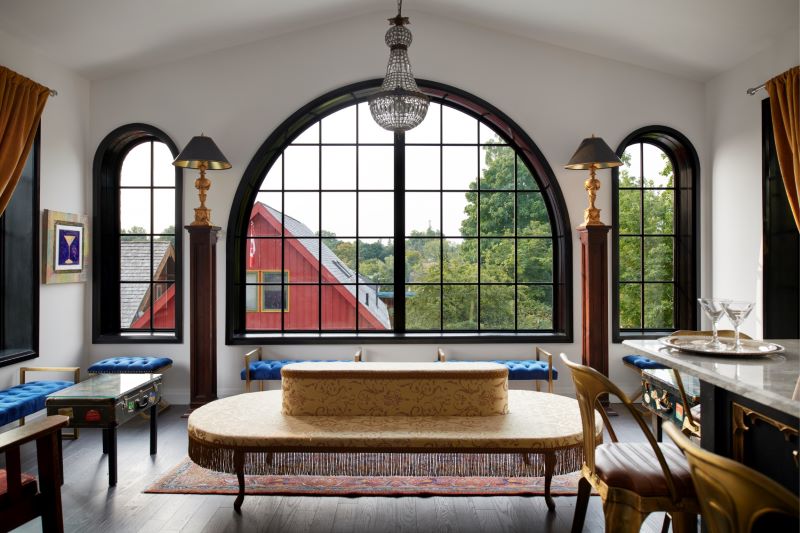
695	39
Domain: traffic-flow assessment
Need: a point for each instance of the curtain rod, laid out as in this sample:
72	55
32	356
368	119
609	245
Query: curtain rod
753	90
53	92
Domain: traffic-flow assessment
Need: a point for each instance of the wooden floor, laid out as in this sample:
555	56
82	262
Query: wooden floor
91	506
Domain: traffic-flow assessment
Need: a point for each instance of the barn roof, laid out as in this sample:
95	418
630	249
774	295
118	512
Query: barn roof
367	289
136	265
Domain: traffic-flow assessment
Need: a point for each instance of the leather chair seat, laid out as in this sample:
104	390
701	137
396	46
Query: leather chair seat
633	466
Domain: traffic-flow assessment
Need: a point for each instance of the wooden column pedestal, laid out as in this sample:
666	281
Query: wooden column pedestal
202	315
594	297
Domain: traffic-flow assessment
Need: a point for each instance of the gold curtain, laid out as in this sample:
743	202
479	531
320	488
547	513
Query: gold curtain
21	105
784	95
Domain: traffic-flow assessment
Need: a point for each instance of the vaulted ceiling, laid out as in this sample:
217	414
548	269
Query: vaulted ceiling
695	39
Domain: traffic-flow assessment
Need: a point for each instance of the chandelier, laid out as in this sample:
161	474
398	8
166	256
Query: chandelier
399	105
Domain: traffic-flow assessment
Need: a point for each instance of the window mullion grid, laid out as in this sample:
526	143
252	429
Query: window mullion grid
152	244
358	280
641	237
399	233
282	242
516	242
441	223
319	229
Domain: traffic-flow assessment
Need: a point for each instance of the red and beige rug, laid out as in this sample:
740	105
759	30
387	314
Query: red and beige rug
188	478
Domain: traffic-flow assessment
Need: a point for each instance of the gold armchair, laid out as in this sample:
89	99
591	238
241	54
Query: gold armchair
632	478
733	497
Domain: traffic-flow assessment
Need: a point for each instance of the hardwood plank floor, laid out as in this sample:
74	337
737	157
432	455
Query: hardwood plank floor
91	506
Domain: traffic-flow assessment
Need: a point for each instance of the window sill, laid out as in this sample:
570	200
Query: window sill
619	337
13	357
138	338
247	339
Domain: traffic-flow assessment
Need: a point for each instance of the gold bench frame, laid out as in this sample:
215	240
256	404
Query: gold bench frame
76	370
257	353
442	358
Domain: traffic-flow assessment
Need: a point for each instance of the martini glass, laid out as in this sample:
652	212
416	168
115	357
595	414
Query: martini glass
714	309
737	311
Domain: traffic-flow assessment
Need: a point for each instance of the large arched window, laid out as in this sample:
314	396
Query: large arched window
331	201
655	234
137	243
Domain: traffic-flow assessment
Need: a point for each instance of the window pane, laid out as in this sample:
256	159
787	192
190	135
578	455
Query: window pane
630	306
658	307
303	208
657	167
459	214
496	213
422	167
368	129
164	259
134	210
338	307
376	214
265	218
460	307
135	170
163	169
461	260
303	309
630	211
310	135
134	258
164	211
535	307
376	260
373	313
458	127
422	213
459	167
300	259
422	260
134	300
423	307
525	179
659	211
340	263
497	307
263	254
534	260
532	217
339	167
340	127
630	172
339	214
163	306
488	135
428	131
658	258
497	260
497	167
630	258
251	292
301	167
376	167
273	180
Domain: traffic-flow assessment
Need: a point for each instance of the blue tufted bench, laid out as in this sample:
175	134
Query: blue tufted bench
28	397
270	369
521	369
137	364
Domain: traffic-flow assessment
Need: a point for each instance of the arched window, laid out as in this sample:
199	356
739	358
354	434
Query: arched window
331	201
137	238
655	234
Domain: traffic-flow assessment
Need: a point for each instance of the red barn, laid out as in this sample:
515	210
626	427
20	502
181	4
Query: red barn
136	263
304	255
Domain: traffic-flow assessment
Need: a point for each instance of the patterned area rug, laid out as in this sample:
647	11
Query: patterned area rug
188	478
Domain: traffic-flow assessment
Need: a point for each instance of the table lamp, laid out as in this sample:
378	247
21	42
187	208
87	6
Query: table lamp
202	153
593	153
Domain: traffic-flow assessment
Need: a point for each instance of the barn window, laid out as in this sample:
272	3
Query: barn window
466	201
138	206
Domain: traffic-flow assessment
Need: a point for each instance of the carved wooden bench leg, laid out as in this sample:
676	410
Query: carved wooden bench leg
238	464
549	468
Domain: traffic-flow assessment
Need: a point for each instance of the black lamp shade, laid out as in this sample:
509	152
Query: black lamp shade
202	150
593	152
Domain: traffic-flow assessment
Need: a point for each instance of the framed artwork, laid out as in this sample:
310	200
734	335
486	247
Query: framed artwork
65	253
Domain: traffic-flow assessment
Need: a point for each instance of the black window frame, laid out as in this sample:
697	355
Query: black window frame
22	296
509	131
686	244
106	169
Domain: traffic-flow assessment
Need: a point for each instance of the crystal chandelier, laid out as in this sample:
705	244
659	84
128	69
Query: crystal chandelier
399	105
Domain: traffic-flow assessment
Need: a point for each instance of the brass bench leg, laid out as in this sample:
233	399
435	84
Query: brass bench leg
238	464
549	468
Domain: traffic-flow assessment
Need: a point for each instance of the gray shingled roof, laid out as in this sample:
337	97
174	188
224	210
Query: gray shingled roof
367	293
136	265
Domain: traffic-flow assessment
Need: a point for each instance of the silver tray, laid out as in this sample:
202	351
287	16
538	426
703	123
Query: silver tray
696	344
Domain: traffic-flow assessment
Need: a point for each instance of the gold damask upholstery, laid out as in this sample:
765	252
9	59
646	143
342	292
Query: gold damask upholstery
394	389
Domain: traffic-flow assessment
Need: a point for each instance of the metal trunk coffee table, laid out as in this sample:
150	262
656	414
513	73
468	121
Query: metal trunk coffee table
107	401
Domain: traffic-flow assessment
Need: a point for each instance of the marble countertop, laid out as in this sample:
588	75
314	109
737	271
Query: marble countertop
772	380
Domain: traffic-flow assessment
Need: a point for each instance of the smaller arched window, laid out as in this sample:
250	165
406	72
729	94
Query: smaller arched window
137	252
655	237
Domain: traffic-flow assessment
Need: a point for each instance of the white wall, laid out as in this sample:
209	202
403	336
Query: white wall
734	130
239	95
64	310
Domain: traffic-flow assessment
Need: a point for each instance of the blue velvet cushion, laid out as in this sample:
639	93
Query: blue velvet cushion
271	369
27	398
130	365
642	363
519	369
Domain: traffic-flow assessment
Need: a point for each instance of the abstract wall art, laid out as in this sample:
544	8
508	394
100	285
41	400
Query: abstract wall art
65	253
